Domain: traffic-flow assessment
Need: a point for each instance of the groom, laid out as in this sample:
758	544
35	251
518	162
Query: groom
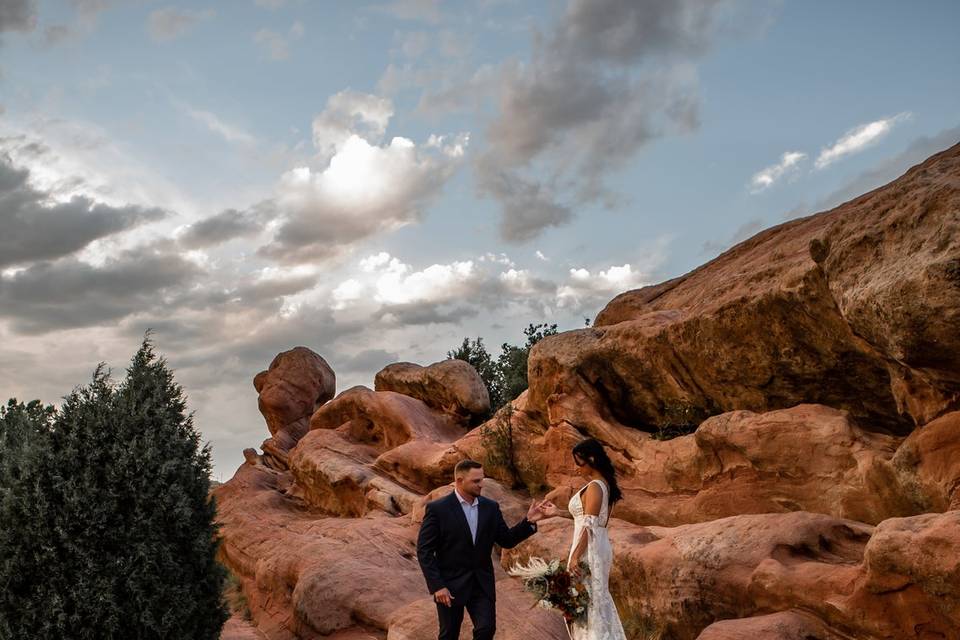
454	547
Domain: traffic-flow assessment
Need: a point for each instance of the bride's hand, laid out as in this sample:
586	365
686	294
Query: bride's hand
549	510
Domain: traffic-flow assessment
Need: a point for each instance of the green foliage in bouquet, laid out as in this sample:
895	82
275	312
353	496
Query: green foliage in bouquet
554	587
108	530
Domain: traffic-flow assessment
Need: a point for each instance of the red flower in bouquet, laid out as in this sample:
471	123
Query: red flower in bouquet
555	587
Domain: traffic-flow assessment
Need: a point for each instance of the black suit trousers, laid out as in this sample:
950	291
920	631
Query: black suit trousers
483	615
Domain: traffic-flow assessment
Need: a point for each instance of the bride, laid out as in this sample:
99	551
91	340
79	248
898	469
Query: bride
590	508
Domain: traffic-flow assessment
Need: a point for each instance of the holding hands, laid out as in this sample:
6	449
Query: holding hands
540	510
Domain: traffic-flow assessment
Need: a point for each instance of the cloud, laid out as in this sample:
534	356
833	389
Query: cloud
37	228
365	361
584	289
213	122
888	170
357	188
857	139
18	15
275	45
226	225
395	293
69	293
528	206
270	4
398	285
350	113
608	78
765	178
68	158
170	23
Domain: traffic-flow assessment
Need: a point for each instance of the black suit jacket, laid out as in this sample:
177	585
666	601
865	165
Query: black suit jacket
446	551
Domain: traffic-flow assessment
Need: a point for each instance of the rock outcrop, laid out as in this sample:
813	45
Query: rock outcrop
450	386
855	308
290	390
815	369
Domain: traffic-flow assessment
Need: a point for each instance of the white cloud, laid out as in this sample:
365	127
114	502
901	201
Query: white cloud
398	284
277	45
350	113
858	139
356	187
542	257
372	263
765	178
347	292
213	122
497	258
583	287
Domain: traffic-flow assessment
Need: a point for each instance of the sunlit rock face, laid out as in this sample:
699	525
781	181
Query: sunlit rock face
815	493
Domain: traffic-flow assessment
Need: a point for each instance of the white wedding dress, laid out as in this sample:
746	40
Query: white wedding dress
603	622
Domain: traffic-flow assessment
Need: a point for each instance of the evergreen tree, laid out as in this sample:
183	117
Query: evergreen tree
505	377
23	428
113	535
512	362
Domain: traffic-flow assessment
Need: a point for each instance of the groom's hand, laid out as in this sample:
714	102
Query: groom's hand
535	512
443	597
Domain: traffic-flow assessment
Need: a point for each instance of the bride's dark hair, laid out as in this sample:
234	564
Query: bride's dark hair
593	453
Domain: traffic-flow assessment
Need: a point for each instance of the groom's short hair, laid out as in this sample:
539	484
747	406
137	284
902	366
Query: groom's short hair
464	466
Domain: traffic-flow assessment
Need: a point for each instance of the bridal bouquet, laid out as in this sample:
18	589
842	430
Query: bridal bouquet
554	587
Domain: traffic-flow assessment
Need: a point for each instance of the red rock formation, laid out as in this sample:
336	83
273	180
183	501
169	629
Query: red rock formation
450	386
855	308
293	386
810	505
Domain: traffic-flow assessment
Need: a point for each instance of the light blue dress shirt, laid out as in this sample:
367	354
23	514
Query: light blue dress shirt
470	510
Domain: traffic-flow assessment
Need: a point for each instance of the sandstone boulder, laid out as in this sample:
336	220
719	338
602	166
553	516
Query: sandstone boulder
337	477
783	625
383	419
927	465
290	390
450	386
905	587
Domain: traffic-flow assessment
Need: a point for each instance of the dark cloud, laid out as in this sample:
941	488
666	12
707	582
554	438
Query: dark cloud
36	229
421	313
18	15
68	293
611	76
529	207
227	225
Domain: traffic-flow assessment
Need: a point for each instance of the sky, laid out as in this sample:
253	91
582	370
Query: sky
379	180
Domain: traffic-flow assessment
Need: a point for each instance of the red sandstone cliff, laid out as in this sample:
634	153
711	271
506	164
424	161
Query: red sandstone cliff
819	496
